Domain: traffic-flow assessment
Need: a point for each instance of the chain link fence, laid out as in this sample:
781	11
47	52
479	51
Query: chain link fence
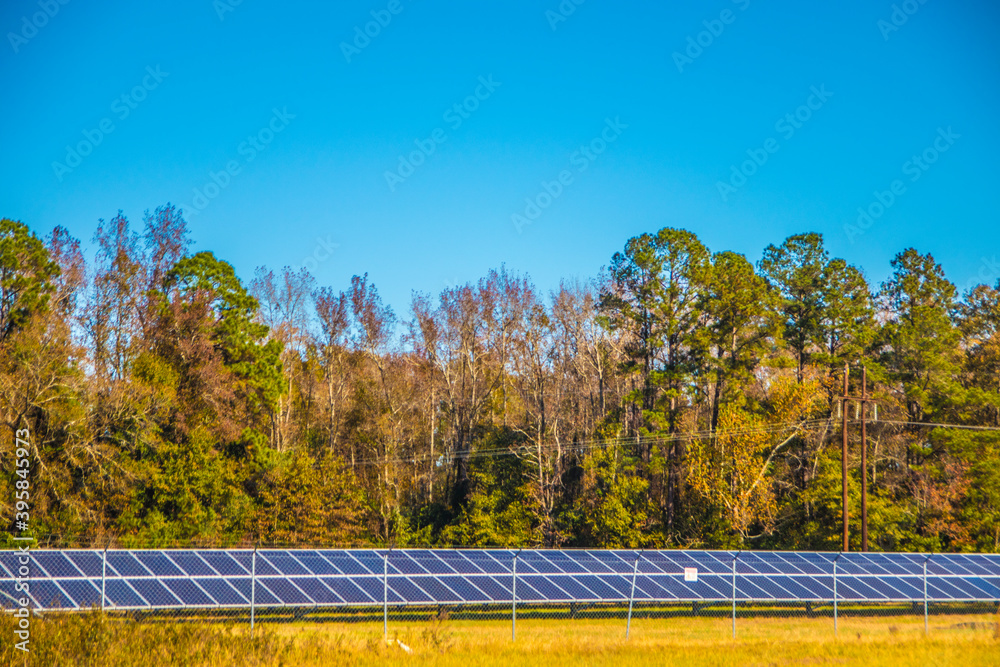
505	594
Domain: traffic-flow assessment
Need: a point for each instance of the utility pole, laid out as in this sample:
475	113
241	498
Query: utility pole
843	457
864	460
861	407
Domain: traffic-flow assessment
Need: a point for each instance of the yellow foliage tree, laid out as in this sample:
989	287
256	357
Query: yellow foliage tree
730	470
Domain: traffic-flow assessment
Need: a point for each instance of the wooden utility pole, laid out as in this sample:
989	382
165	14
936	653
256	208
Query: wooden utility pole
862	405
864	460
843	457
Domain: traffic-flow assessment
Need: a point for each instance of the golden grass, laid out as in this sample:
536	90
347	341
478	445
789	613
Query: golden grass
93	639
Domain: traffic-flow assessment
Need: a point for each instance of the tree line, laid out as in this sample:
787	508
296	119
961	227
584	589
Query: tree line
683	397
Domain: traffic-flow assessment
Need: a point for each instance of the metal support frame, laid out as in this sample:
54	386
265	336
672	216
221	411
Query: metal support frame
835	594
631	597
513	598
253	589
735	557
104	576
926	627
385	596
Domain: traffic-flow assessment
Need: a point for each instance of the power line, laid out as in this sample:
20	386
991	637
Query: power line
809	426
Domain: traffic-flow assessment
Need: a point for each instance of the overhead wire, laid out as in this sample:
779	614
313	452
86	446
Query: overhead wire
809	426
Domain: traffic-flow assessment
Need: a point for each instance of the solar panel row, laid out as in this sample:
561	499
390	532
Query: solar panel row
148	579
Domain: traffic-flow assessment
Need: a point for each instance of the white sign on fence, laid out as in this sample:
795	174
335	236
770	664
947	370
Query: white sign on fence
690	574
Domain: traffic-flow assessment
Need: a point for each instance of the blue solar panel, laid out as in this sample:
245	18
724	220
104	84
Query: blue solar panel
85	593
646	587
222	592
192	564
373	587
403	563
409	591
9	560
192	578
345	563
120	594
796	587
8	596
493	588
316	564
545	588
88	562
155	593
600	588
429	562
348	591
990	588
230	564
282	561
457	561
263	597
286	591
465	589
55	564
317	591
438	591
158	563
494	562
601	565
805	564
711	587
125	564
48	595
989	566
189	592
621	563
853	588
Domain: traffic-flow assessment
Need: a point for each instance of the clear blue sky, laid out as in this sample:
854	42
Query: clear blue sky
323	175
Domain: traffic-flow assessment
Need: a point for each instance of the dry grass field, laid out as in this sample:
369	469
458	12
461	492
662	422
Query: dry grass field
91	639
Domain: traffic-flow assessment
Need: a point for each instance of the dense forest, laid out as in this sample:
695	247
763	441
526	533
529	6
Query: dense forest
684	397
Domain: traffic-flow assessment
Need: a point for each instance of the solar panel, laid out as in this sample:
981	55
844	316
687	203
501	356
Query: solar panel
153	579
56	564
88	562
228	564
158	563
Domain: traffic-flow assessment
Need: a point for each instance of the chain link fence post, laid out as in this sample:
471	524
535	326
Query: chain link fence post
385	596
835	594
104	576
513	599
253	588
926	629
735	557
631	597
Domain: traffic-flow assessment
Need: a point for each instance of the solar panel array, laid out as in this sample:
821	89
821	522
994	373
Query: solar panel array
183	579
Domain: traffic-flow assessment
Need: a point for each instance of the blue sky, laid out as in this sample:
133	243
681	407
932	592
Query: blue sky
201	78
